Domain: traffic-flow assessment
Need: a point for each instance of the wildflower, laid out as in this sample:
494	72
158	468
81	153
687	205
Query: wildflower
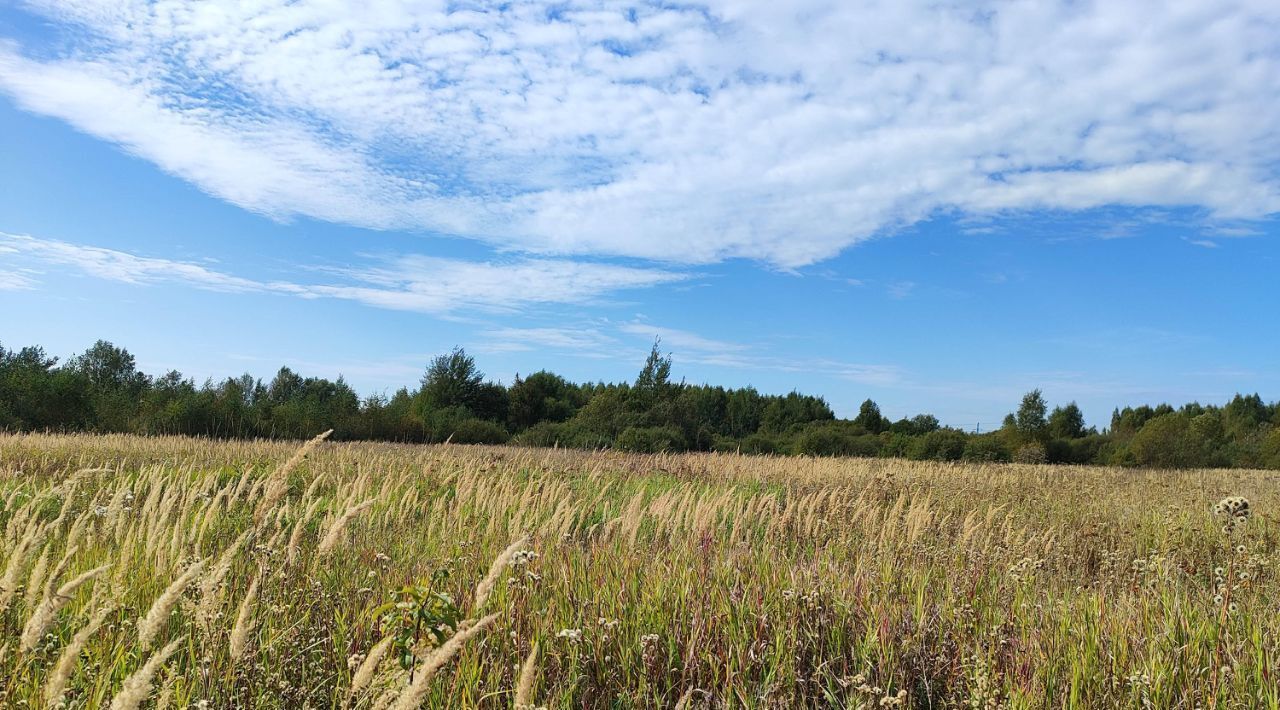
1240	549
523	557
573	635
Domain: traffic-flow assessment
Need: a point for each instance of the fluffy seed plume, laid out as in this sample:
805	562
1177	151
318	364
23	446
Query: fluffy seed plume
150	626
365	672
278	484
49	607
524	688
210	583
240	632
137	687
495	570
9	582
411	698
332	537
56	685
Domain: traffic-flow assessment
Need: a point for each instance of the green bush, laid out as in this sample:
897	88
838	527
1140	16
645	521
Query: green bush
985	448
1031	453
940	445
478	431
650	440
543	434
835	439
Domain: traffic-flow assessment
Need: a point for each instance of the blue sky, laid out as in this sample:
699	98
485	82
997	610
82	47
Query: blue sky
938	208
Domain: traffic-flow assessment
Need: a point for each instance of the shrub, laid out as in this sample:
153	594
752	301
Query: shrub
759	444
985	448
835	439
940	445
543	434
478	431
650	440
1031	453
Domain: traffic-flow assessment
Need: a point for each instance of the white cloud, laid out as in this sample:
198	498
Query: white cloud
409	283
587	342
15	281
782	132
680	339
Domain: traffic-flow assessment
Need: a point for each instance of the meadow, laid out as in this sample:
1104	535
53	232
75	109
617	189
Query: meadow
179	572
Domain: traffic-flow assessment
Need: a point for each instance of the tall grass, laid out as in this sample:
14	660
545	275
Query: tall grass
211	572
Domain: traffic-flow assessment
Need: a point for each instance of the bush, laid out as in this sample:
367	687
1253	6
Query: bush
1171	441
478	431
650	440
1271	448
759	444
836	440
1031	453
940	445
543	434
986	448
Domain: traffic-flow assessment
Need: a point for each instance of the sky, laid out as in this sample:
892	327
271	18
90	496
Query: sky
937	206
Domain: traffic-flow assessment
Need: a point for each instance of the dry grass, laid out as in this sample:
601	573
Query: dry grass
645	581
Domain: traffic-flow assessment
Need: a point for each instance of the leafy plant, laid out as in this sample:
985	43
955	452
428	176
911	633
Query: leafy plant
416	611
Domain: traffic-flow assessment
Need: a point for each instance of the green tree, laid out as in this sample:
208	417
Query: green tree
870	418
1030	418
653	384
540	397
1171	441
115	385
451	380
1066	422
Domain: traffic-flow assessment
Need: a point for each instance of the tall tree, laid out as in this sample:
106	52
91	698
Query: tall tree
655	376
870	418
1066	422
1030	419
451	380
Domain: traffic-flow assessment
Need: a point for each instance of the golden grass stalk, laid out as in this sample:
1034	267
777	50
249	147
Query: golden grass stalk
524	687
55	687
49	607
278	484
295	537
211	581
35	583
411	698
334	535
158	616
13	567
368	667
486	585
137	687
240	632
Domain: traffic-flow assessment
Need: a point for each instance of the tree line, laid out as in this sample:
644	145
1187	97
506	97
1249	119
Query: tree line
101	390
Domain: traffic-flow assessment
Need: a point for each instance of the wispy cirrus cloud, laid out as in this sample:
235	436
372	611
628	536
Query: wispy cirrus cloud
681	339
408	283
15	281
781	132
629	341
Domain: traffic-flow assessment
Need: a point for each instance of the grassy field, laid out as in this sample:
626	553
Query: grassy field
177	572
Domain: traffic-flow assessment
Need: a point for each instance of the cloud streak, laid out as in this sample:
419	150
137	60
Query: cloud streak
780	132
407	283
